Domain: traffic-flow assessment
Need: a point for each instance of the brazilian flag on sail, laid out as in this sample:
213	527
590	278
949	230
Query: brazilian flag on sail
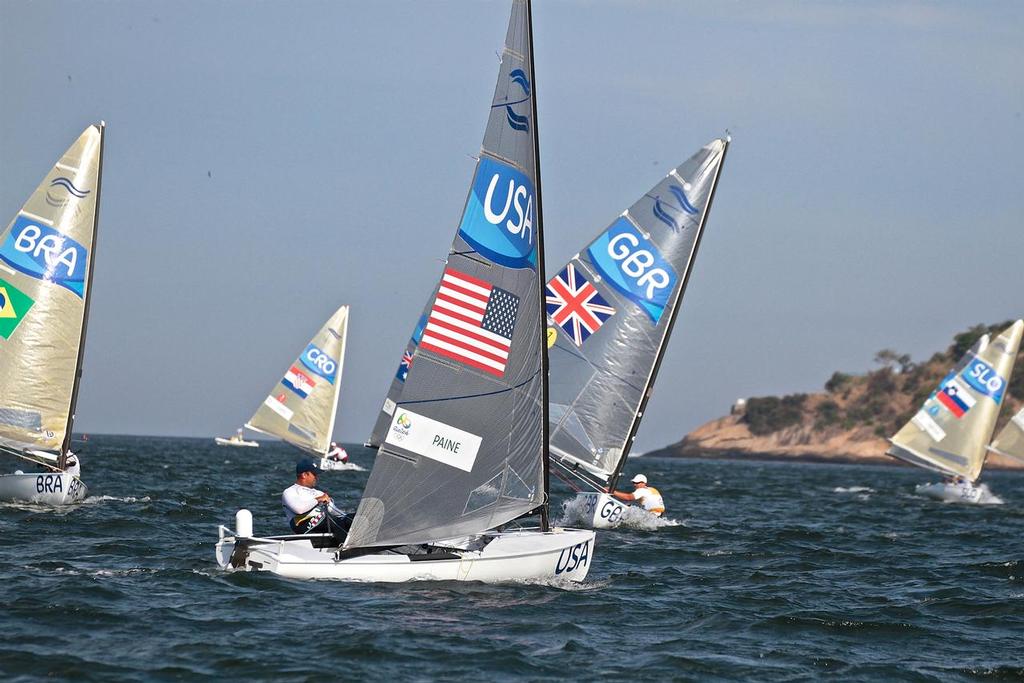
14	304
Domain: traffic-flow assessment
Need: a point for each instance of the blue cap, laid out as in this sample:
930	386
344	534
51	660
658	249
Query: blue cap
307	465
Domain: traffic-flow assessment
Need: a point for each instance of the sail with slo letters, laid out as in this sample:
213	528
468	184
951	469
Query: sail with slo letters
387	410
950	432
302	406
464	450
1011	438
46	262
610	315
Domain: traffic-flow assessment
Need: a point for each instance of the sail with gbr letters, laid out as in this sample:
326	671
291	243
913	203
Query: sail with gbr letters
611	310
950	432
464	450
302	406
47	256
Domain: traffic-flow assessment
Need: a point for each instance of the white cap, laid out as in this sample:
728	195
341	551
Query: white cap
639	479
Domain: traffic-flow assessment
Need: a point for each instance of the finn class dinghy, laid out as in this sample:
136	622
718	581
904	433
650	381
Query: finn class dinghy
950	433
238	440
1010	441
464	456
302	406
46	265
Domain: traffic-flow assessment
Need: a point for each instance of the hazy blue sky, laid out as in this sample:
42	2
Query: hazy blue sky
268	161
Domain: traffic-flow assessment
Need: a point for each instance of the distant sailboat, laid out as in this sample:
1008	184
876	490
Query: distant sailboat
47	255
302	406
237	439
1010	441
950	433
611	310
465	452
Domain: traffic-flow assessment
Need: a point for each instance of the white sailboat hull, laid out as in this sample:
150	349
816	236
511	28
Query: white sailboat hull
600	510
337	466
522	555
951	493
45	488
221	441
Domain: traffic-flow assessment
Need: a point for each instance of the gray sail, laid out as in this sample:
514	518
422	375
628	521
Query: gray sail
302	406
387	409
610	313
1011	438
46	262
950	432
464	450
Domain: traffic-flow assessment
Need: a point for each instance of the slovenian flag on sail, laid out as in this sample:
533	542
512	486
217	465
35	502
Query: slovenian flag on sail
298	381
956	397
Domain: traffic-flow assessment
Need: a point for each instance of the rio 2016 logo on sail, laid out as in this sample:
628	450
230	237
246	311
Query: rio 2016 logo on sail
45	254
984	379
499	217
319	362
634	266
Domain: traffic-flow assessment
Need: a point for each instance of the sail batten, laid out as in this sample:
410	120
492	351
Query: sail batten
48	253
951	430
448	466
302	406
611	311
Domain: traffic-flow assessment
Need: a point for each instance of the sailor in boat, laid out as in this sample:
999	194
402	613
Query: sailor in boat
337	453
648	497
310	510
73	465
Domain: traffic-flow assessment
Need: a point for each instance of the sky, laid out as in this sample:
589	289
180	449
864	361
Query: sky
266	162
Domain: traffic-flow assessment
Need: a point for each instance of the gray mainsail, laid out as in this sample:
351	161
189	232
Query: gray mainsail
464	451
950	432
387	410
47	255
610	315
302	406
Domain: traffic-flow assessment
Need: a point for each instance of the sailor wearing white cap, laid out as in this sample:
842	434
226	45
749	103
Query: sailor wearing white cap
647	496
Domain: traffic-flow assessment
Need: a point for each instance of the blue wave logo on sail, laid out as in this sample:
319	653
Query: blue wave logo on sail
45	254
61	190
319	362
984	379
499	216
518	121
681	206
634	266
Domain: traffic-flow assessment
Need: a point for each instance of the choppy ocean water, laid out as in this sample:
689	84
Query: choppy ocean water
772	571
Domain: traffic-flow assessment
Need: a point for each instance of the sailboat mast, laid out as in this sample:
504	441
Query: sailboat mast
541	282
66	446
671	323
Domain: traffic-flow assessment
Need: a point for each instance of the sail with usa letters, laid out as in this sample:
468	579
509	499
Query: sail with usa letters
611	311
302	406
465	451
47	255
949	434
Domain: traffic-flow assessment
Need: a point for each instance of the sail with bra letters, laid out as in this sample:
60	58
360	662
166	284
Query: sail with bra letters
611	310
302	406
47	254
464	451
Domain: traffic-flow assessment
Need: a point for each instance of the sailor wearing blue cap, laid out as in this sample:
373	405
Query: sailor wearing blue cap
310	510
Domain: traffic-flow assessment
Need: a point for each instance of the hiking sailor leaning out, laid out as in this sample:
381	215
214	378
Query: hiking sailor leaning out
647	496
310	510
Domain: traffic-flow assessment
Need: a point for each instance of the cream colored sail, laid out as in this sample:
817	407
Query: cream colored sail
1011	439
950	432
302	406
46	263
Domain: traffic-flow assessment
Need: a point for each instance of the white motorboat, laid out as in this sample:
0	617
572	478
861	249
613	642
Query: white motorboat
237	440
47	256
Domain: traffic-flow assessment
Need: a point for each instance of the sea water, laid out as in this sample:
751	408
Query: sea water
771	571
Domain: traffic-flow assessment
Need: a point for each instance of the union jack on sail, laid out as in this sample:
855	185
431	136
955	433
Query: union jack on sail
575	305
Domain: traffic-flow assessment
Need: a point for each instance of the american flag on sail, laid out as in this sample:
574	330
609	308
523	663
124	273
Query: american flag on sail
471	321
575	305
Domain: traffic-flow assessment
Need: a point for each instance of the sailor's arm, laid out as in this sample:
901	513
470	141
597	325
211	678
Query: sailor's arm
622	495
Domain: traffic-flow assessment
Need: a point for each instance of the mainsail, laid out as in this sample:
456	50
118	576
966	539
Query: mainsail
1011	439
387	410
464	451
611	311
950	432
46	265
302	406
